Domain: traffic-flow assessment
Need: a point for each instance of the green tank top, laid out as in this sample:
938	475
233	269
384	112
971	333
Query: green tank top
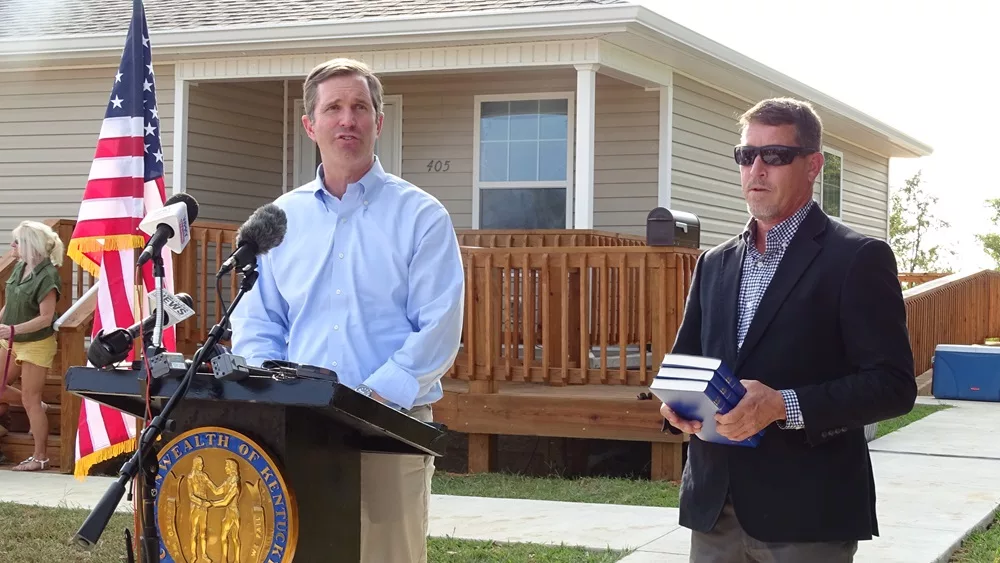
23	298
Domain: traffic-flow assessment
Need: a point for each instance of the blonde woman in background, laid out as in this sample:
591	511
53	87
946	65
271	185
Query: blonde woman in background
28	314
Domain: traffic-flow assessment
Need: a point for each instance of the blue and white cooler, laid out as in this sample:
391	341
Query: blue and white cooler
966	372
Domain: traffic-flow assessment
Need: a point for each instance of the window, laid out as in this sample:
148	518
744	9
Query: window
831	195
522	169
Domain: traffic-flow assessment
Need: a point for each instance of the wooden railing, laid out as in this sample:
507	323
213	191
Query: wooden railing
560	238
561	316
918	278
616	300
954	309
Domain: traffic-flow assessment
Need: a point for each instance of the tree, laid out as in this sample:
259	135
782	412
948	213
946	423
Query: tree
991	241
910	219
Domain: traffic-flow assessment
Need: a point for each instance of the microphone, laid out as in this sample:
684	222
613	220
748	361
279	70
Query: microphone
113	347
264	230
170	225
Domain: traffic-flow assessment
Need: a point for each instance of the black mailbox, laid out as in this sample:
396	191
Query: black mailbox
672	228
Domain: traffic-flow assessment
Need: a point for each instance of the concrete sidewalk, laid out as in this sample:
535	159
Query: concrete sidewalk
937	481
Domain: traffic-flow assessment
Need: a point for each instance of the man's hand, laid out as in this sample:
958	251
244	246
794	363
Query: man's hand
4	332
684	425
759	407
377	397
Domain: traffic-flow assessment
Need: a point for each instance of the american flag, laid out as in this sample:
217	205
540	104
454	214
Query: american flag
125	183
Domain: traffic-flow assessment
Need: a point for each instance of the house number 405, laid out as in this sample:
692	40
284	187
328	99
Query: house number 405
438	166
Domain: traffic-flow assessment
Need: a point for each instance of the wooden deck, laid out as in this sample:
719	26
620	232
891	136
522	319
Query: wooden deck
563	330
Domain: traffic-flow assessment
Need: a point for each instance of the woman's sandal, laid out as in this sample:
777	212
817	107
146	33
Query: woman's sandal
31	464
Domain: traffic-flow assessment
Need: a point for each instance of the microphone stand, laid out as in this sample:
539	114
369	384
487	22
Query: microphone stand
144	456
158	275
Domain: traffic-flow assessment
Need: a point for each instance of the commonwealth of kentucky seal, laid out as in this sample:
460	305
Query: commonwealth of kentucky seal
221	499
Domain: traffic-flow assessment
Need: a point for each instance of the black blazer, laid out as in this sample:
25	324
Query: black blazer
830	326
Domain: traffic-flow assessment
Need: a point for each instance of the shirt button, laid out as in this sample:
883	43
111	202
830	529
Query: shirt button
341	255
336	327
366	202
334	364
343	220
338	292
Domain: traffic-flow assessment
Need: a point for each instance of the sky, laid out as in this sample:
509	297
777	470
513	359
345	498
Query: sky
911	64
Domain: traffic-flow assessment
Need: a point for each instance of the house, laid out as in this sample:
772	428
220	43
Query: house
514	113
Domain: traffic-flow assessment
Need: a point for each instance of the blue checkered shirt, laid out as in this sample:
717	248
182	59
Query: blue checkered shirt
757	271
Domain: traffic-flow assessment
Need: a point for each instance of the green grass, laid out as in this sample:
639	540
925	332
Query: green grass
589	489
919	411
34	534
982	546
449	550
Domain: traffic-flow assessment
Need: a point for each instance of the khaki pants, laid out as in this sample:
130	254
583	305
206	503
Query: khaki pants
395	495
728	543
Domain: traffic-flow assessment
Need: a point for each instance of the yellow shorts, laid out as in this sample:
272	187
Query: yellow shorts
41	352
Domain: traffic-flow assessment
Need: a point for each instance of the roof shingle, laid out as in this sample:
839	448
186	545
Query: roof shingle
30	18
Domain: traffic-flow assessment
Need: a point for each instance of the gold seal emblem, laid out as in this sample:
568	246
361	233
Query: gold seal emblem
221	499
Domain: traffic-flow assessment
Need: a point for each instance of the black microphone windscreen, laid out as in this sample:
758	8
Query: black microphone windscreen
265	229
185	299
188	201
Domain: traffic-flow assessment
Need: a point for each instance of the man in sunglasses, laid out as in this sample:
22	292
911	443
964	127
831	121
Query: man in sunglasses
809	315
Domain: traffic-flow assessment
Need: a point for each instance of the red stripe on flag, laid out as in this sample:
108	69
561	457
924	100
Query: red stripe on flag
111	187
119	292
119	146
114	424
83	434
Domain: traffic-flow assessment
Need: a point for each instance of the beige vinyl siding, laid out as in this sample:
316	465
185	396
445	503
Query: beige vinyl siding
49	126
705	178
234	147
626	155
864	181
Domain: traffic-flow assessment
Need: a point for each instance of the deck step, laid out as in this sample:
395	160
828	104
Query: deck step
925	382
19	419
18	446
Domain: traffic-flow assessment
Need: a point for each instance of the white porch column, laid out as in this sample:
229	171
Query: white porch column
666	142
583	193
182	88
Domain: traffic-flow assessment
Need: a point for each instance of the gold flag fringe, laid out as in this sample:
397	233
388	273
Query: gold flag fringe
85	463
78	248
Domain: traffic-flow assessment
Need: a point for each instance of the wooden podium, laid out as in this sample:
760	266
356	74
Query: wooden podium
313	430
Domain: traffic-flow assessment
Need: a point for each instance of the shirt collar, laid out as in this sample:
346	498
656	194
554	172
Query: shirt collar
783	231
21	265
367	185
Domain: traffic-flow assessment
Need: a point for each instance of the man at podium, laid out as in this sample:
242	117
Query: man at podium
368	282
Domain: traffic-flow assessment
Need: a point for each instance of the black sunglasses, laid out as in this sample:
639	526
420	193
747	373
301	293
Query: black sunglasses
772	155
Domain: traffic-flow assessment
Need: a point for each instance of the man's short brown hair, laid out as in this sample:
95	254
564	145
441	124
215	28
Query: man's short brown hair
340	67
788	111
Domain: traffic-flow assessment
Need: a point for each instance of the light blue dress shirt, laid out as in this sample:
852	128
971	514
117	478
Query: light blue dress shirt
370	286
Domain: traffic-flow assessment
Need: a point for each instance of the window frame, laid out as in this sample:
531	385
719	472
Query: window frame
822	182
478	185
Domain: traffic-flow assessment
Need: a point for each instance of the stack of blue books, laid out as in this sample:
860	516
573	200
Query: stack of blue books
698	387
